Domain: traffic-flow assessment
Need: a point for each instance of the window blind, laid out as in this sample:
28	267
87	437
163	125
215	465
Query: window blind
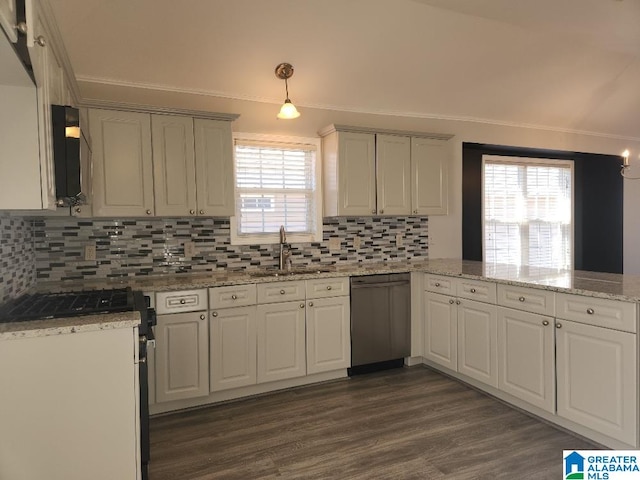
528	212
275	185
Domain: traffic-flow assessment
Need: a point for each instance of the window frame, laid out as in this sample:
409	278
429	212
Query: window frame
274	238
530	161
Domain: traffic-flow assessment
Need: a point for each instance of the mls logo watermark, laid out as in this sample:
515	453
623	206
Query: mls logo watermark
601	464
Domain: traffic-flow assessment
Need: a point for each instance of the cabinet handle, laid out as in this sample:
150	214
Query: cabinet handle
545	322
302	305
521	299
381	211
234	297
458	302
415	211
148	212
451	301
590	311
202	317
201	212
328	287
40	40
373	211
182	301
473	290
78	210
437	284
311	304
214	314
558	325
282	292
192	212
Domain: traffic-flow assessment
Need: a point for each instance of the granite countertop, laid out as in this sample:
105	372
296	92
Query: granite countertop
602	285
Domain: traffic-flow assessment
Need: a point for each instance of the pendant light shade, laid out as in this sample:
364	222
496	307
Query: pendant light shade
288	111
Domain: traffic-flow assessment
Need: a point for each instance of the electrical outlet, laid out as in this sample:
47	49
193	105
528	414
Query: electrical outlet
89	252
357	243
189	249
334	244
398	239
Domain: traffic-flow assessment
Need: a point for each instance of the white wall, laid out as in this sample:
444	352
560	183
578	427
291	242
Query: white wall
445	231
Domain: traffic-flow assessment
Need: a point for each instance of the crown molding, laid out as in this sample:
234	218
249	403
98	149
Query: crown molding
355	129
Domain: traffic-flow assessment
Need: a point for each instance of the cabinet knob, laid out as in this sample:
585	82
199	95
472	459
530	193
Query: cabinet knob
415	211
328	287
373	211
545	322
451	301
457	302
473	290
78	210
202	317
437	284
201	212
214	314
590	311
558	325
182	301
282	292
311	304
521	299
234	297
302	305
40	40
148	212
381	211
192	212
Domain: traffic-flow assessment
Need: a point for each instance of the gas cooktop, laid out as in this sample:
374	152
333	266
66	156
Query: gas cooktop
67	304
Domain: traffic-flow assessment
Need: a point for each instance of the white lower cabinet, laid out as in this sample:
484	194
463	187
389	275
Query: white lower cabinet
281	341
441	330
328	334
182	356
233	344
597	379
477	339
526	367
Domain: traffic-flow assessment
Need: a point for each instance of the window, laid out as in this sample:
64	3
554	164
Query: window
277	183
528	211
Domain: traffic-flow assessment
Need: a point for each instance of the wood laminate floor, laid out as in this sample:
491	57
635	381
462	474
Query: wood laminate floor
409	423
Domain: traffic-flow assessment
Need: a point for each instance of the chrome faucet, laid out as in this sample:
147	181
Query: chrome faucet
284	259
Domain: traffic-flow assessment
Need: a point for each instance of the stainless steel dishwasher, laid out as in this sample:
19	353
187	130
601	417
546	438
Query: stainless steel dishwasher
380	321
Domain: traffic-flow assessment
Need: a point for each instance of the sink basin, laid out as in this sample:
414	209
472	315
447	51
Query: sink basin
289	273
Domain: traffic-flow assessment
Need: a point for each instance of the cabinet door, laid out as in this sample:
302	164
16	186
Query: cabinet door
597	379
429	170
123	168
281	341
440	330
328	334
393	174
174	174
356	174
8	19
182	356
214	168
477	339
233	348
526	367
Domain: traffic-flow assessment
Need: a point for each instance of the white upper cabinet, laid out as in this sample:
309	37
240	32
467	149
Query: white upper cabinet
174	175
8	19
214	167
393	174
429	176
122	161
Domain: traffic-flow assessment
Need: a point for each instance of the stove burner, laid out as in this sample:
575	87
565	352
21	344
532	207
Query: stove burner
67	304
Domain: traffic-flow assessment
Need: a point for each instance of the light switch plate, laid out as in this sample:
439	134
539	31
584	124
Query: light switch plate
334	244
398	239
90	252
357	243
189	249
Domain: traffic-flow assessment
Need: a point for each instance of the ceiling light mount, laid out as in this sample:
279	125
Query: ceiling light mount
284	71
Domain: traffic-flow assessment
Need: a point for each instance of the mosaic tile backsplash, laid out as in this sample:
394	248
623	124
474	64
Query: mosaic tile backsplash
154	246
17	257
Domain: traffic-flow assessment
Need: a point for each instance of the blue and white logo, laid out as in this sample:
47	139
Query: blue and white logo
574	466
601	464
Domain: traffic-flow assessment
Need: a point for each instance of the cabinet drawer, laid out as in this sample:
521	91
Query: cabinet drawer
527	299
232	296
280	292
597	311
327	287
183	301
440	284
476	290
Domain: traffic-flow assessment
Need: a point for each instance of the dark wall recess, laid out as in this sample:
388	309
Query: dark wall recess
598	204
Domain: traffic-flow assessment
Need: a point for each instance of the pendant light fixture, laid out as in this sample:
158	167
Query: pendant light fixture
288	111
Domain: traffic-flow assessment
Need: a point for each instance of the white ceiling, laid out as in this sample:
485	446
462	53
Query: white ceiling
563	64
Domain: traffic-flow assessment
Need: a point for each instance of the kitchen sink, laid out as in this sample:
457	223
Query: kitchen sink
292	272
